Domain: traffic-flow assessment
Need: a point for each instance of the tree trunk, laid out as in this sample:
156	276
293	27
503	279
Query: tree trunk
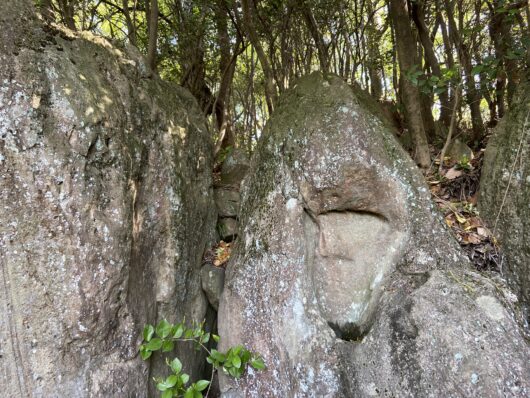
67	13
46	11
316	34
227	65
373	62
131	28
406	47
431	58
502	39
473	97
152	13
248	21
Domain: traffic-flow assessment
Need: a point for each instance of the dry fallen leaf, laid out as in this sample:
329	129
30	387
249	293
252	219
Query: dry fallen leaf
222	253
471	238
453	173
460	218
483	231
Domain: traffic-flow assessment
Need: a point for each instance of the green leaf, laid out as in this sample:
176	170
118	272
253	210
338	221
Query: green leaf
236	361
201	385
163	328
171	380
144	352
167	394
154	345
179	330
205	338
189	393
477	69
218	356
215	338
234	372
176	365
148	332
245	356
167	346
184	378
162	386
257	363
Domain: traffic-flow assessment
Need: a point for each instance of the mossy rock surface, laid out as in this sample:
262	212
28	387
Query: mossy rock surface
106	207
505	192
344	277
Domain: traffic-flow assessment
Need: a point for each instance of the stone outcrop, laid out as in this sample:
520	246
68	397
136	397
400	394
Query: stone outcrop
234	167
504	199
345	279
106	208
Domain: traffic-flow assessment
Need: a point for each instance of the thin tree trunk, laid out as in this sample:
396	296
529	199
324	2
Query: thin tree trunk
452	128
67	13
374	56
502	39
472	95
46	11
431	58
317	36
227	65
248	21
131	28
152	11
406	47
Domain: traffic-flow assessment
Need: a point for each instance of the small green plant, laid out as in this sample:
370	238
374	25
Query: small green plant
464	164
163	338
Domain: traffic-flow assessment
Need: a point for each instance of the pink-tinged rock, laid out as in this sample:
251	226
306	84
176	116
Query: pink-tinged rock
344	278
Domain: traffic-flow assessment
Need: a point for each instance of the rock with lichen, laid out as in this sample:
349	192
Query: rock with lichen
344	278
106	206
504	199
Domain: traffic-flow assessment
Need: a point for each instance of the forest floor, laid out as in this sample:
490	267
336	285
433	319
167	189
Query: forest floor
455	191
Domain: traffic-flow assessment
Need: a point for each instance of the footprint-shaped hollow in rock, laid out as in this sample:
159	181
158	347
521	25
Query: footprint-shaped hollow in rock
354	253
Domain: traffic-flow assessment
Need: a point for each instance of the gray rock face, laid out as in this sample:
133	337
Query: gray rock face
227	228
458	150
234	167
344	278
213	279
505	192
106	206
227	201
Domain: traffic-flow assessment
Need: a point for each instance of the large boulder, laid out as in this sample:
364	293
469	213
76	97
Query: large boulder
344	278
106	207
504	199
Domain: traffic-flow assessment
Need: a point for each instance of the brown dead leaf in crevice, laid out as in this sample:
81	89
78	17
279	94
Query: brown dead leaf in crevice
222	253
455	193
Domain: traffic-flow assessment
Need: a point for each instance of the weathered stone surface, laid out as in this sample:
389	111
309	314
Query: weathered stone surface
227	201
458	150
213	279
344	277
105	208
227	228
234	167
504	199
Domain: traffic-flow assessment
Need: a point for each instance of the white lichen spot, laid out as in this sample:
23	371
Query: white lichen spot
291	204
493	309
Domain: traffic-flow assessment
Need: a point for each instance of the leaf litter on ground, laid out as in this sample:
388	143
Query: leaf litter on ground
455	193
